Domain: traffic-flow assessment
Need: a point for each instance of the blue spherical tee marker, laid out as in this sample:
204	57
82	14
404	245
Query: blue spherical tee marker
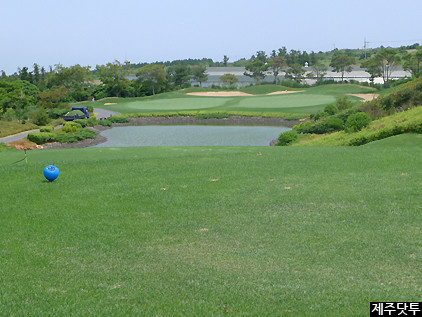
51	172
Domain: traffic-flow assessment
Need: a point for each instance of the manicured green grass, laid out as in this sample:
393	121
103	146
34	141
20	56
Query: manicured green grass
306	102
401	140
289	103
340	90
266	89
188	103
259	231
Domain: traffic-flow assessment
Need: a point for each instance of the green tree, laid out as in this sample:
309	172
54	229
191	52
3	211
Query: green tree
372	67
18	95
51	99
199	73
276	63
36	73
74	78
113	77
153	75
413	63
382	64
295	72
23	74
318	70
256	67
341	63
225	60
179	74
229	79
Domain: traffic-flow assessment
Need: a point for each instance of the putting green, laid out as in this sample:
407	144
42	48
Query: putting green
188	103
285	101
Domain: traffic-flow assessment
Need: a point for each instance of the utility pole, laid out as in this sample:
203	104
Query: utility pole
364	45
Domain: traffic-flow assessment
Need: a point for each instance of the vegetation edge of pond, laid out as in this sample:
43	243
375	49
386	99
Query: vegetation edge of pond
182	120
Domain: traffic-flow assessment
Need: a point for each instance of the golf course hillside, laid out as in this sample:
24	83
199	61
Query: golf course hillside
264	98
396	112
195	231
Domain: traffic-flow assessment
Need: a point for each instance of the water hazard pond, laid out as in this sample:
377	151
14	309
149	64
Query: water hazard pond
191	135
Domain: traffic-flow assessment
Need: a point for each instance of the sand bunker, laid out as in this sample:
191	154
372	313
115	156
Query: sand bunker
284	92
110	103
234	93
365	97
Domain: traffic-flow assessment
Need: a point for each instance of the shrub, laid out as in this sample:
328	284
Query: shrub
343	103
302	124
58	113
333	124
92	121
41	137
287	138
69	128
82	122
105	123
40	117
357	121
320	115
343	115
79	135
117	119
47	128
9	115
331	109
212	116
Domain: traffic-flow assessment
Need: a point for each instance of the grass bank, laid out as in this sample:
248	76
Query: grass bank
260	231
409	121
10	128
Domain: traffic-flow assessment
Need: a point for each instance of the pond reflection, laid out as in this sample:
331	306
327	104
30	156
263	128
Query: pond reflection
191	135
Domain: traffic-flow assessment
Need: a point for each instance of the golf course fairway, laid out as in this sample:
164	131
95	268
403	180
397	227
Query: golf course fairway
202	231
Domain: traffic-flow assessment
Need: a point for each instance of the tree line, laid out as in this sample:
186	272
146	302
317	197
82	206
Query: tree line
381	64
38	93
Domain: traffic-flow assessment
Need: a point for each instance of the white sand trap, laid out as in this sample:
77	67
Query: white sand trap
110	103
365	97
284	92
234	93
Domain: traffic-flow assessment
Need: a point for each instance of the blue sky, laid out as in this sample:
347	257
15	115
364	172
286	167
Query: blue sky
92	32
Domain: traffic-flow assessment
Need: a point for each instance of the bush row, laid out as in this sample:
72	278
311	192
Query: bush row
212	116
350	119
47	129
105	123
45	137
79	135
118	119
367	136
90	122
41	137
286	116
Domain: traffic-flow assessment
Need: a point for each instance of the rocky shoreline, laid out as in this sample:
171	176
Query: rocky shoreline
233	120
